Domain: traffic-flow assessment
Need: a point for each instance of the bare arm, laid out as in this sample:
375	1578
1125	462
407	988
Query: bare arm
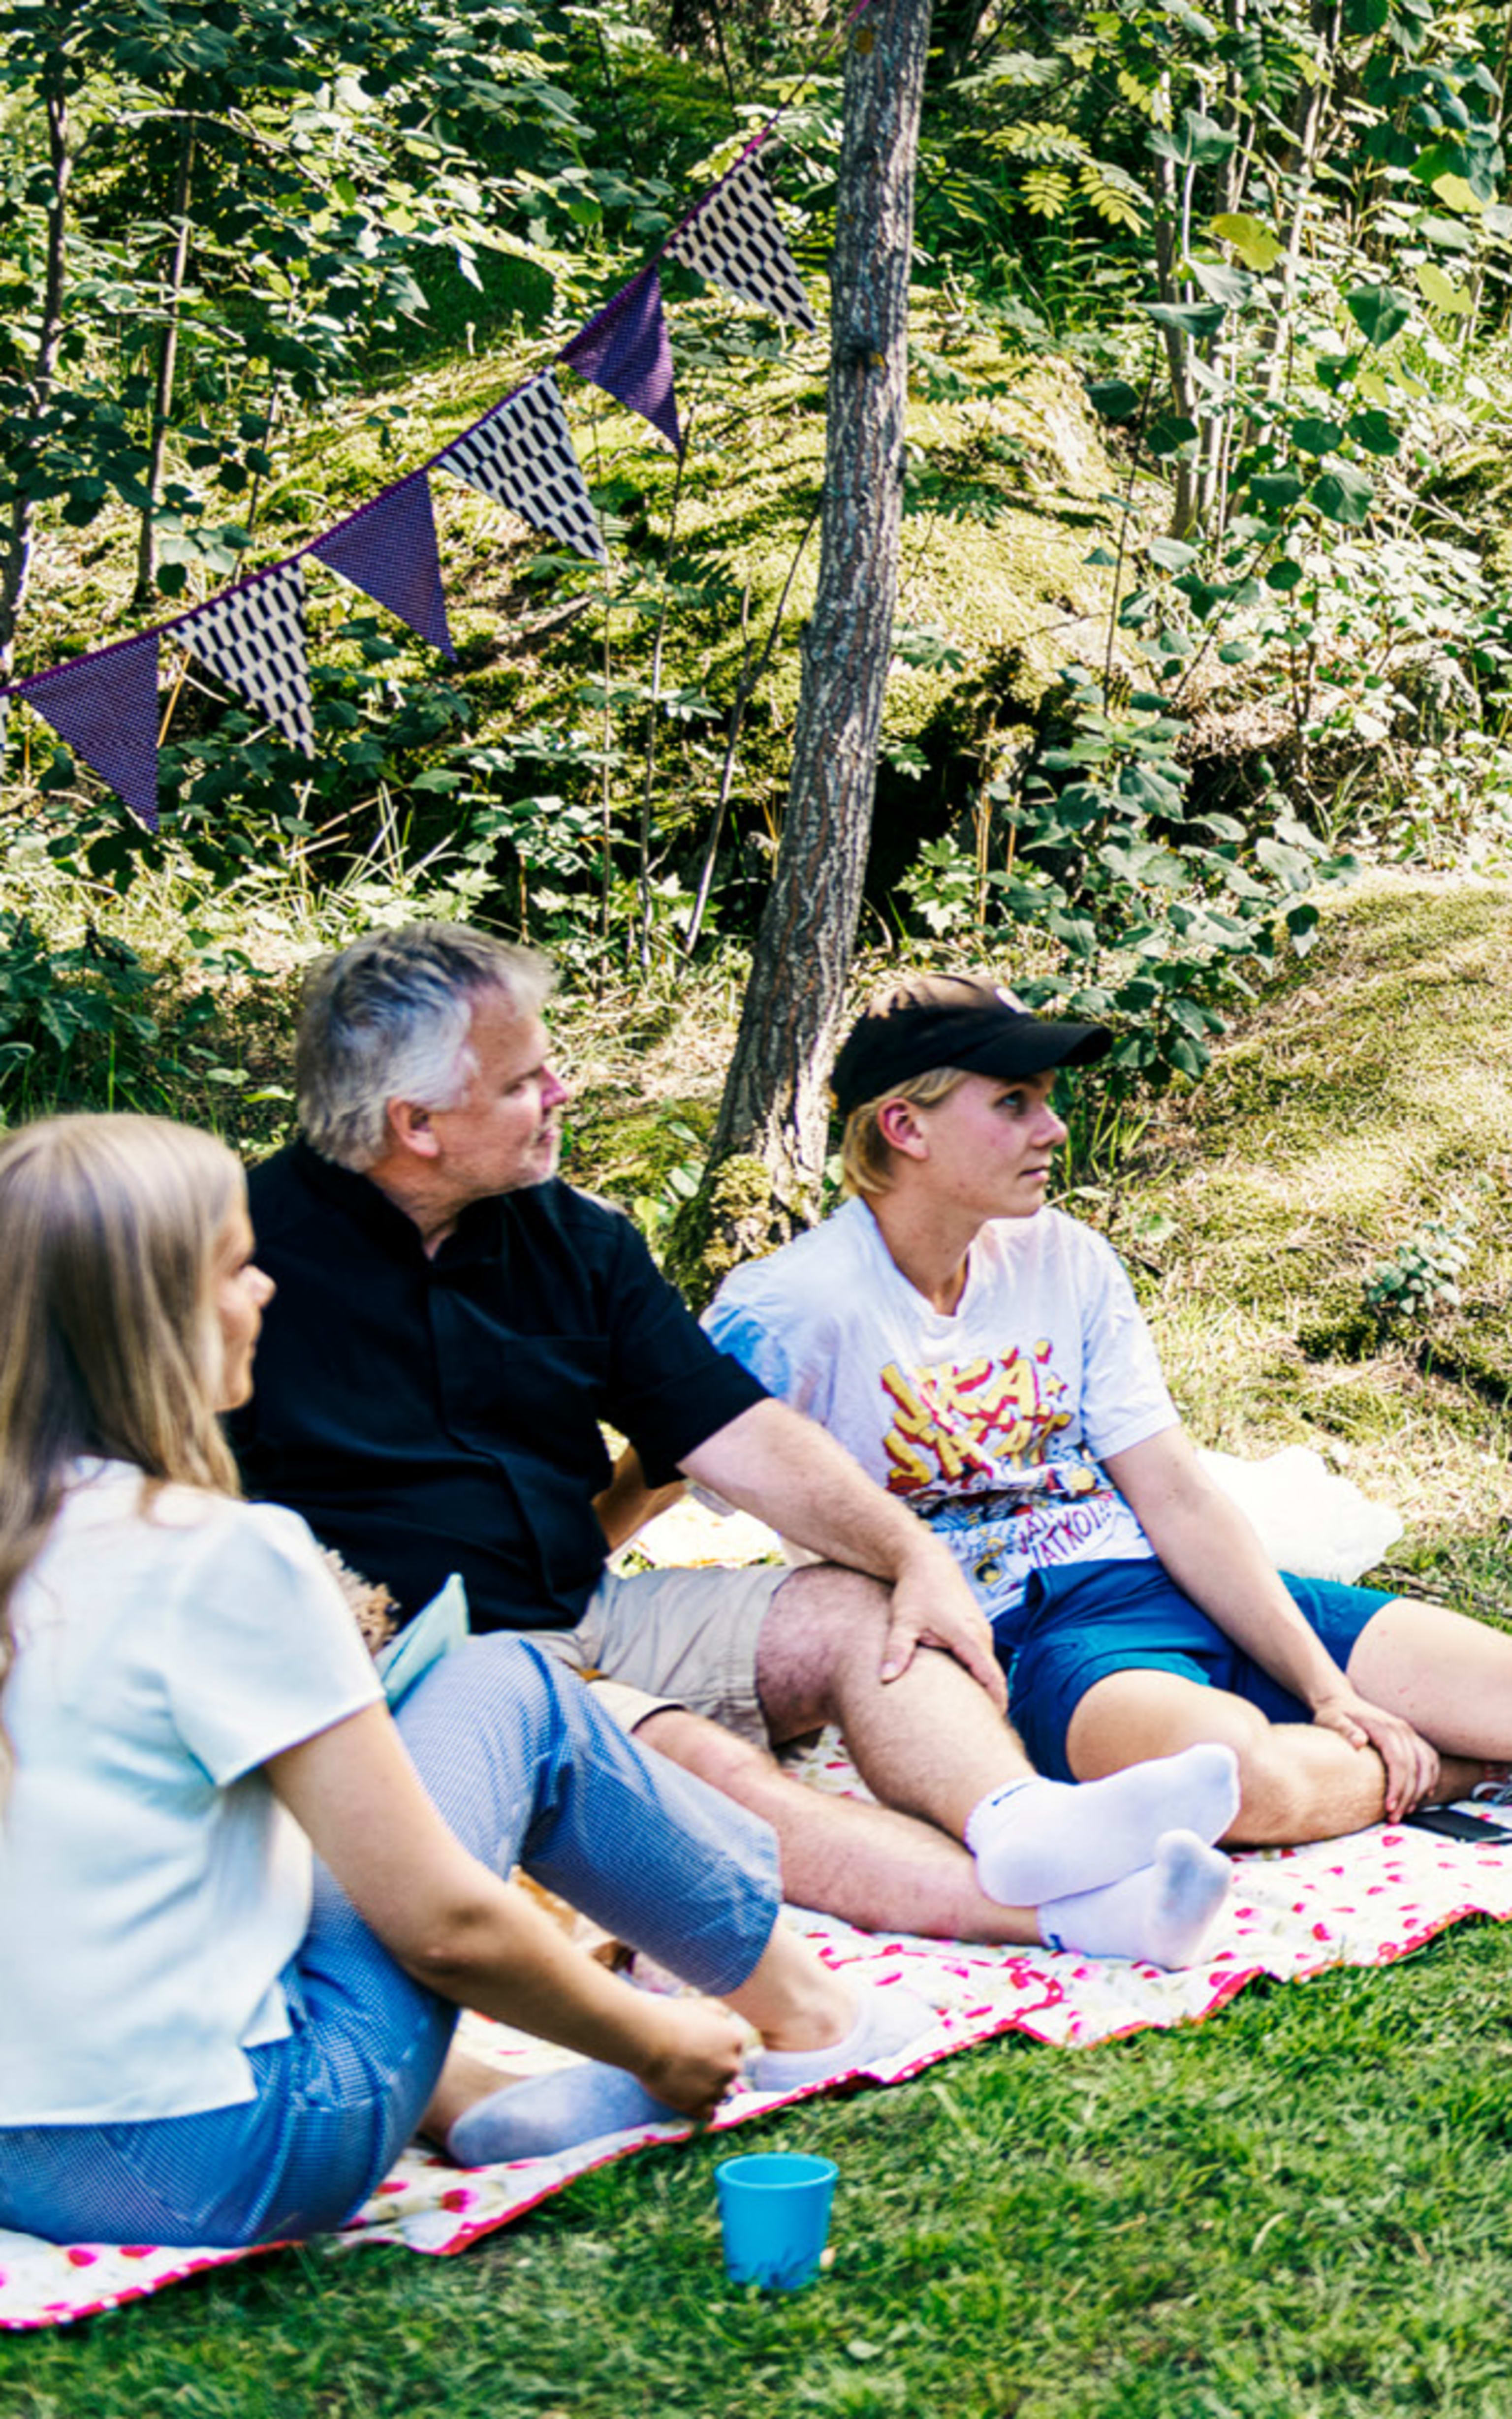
474	1938
627	1502
789	1472
1209	1549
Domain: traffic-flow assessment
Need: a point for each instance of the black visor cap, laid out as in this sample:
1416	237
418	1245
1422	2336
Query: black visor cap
978	1030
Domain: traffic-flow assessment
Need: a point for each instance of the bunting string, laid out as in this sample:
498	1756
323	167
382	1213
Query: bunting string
519	454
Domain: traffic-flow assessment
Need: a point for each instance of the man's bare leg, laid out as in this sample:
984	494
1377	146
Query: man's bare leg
1297	1782
931	1743
883	1871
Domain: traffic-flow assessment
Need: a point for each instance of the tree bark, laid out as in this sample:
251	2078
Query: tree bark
16	543
775	1105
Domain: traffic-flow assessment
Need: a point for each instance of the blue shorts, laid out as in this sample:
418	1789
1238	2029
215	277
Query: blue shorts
1088	1619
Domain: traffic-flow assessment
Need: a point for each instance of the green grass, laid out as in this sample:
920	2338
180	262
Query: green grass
1298	2207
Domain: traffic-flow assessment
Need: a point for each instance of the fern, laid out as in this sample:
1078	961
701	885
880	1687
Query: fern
1114	195
1047	193
1139	94
1021	69
1037	139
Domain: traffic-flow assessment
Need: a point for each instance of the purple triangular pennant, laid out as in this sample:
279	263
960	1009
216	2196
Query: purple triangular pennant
625	350
253	638
734	237
389	550
521	453
106	706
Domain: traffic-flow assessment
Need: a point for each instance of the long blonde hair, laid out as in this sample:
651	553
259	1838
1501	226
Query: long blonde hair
108	1338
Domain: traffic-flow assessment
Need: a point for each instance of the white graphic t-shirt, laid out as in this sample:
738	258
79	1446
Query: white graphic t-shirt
990	1421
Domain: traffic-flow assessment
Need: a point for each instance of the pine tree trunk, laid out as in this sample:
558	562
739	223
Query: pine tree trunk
775	1105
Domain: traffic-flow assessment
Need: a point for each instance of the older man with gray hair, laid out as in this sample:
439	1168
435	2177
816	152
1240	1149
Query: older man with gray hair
451	1326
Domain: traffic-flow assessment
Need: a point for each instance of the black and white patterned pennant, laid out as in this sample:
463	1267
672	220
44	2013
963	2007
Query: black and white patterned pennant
522	455
735	240
253	639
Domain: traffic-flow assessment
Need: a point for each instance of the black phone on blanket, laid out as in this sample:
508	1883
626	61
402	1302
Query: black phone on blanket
1454	1825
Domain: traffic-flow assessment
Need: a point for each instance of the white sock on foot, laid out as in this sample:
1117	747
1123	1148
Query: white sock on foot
1164	1914
889	2020
1049	1839
554	2112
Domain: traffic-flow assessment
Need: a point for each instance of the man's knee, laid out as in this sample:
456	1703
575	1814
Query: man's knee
826	1591
737	1767
826	1615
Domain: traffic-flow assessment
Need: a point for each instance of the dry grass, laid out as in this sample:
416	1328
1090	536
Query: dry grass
1374	1094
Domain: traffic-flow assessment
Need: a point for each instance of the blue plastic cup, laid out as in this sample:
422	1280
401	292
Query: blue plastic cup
774	2208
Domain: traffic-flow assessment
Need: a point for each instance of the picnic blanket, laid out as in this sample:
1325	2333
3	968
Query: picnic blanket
1365	1901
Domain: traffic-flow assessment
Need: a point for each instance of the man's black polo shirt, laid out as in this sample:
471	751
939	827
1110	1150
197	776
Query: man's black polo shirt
432	1415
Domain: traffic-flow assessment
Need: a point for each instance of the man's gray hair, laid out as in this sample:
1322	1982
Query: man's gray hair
387	1018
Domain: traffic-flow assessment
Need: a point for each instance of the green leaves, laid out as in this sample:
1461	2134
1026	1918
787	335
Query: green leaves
1198	141
1457	195
1192	318
1288	865
1168	432
1442	291
1230	286
1113	399
1276	490
1344	496
1377	311
1317	436
1257	247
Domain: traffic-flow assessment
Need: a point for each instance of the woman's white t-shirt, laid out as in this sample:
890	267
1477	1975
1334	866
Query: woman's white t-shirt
153	1888
990	1420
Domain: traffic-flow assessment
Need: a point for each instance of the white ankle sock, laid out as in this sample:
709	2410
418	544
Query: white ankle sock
1163	1913
888	2021
1048	1839
554	2112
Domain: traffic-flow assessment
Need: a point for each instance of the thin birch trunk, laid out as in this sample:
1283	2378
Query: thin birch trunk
146	547
19	532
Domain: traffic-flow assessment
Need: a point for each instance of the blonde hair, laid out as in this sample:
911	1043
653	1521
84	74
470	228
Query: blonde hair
866	1154
108	1338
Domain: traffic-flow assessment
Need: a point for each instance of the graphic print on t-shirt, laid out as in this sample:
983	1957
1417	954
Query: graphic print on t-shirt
992	1421
972	1444
957	1422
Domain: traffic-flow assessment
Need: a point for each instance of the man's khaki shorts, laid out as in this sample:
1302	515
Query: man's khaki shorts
685	1638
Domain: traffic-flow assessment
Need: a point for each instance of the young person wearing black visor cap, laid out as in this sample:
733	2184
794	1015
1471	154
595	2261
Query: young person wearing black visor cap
983	1356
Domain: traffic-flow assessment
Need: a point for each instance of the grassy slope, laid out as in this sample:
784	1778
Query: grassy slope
1376	1091
1296	2209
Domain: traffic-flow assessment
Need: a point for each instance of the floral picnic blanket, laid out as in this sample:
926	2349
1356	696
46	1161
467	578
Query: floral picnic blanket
1364	1901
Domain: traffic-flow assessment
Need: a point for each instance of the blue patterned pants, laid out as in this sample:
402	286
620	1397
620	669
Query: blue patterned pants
527	1771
